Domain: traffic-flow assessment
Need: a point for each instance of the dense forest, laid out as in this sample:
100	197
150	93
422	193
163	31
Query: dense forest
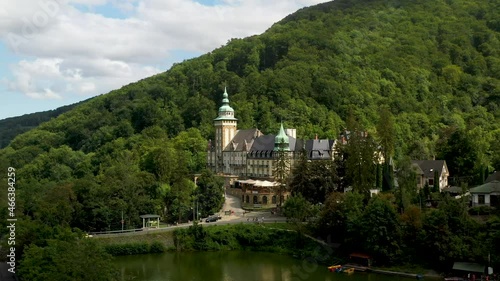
13	126
434	64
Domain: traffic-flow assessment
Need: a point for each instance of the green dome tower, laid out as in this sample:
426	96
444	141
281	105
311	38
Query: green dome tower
281	141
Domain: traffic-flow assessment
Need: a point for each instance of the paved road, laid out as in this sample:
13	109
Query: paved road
231	203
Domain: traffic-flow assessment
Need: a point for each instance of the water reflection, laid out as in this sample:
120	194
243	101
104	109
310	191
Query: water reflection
230	266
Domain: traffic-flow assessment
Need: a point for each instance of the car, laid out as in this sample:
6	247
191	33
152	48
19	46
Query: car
211	219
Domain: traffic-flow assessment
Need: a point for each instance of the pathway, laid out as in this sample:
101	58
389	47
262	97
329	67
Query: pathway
232	203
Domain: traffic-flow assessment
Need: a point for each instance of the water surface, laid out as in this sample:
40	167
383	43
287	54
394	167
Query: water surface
232	266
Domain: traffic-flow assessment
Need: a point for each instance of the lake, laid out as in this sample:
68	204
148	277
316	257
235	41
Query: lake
232	266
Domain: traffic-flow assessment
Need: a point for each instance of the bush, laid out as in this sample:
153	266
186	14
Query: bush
156	247
481	210
127	249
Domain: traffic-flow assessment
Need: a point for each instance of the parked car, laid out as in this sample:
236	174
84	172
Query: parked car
211	219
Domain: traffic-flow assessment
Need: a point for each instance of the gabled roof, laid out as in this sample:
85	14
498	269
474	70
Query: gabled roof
492	186
429	166
263	146
494	176
453	189
417	169
243	140
319	149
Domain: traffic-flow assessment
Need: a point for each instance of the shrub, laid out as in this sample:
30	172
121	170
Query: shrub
127	249
481	210
156	247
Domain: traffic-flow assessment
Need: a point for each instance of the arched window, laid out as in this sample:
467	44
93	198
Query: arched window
264	199
273	200
255	201
248	199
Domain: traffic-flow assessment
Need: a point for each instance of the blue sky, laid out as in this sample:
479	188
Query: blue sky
58	52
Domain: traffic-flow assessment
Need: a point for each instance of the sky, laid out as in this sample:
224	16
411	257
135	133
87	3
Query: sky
58	52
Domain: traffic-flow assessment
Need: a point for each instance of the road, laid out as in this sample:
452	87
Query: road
231	203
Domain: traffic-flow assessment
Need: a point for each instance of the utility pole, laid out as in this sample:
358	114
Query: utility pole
122	221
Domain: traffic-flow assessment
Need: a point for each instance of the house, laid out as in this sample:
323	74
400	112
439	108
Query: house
487	194
426	170
454	191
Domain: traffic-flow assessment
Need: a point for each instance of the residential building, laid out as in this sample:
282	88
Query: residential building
487	194
426	170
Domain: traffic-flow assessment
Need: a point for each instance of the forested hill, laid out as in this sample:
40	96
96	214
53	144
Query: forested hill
435	63
13	126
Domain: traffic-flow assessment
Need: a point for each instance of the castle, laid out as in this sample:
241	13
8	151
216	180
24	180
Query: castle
246	157
250	154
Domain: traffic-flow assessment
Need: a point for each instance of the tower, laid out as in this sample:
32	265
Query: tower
281	141
225	129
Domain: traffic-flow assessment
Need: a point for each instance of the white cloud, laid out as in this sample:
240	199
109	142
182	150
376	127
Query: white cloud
83	53
45	94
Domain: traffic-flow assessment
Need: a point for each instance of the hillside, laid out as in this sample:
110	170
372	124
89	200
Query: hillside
435	63
13	126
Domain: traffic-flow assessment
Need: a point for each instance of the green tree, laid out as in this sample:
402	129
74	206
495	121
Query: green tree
386	140
340	216
297	209
411	227
314	180
435	187
209	193
194	146
381	230
361	158
180	199
407	184
460	155
60	260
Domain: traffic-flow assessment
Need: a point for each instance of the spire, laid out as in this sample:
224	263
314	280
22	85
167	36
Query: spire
281	141
225	97
226	112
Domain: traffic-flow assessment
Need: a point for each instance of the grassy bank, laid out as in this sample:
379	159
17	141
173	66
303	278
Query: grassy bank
276	238
251	237
138	244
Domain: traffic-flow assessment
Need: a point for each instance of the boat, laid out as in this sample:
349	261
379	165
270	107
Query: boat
349	270
332	268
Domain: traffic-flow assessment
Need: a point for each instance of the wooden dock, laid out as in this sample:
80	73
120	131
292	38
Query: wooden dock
387	272
356	267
